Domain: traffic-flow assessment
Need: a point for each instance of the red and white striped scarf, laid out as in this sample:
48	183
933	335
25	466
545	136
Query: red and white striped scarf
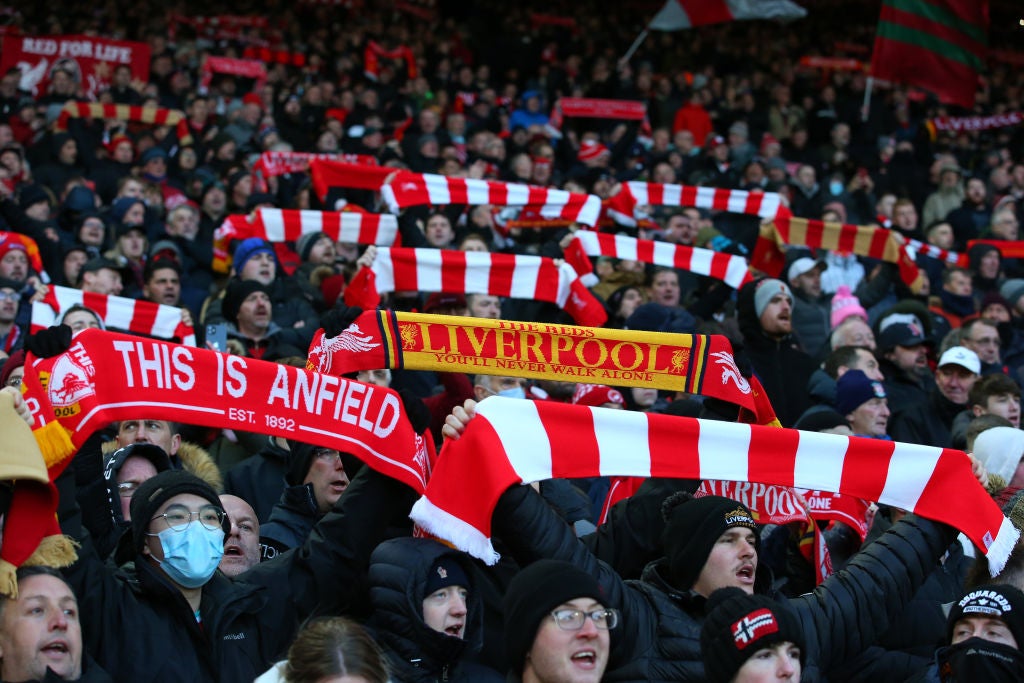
528	441
469	272
622	207
420	189
157	116
950	257
862	240
732	270
117	312
287	225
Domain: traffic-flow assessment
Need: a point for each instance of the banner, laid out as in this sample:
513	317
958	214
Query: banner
91	60
959	124
105	377
626	110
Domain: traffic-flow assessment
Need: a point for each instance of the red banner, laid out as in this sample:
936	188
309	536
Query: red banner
90	60
836	63
246	68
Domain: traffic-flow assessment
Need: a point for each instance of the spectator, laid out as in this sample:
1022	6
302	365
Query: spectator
985	632
862	401
331	648
242	543
247	308
931	422
811	307
101	276
1001	449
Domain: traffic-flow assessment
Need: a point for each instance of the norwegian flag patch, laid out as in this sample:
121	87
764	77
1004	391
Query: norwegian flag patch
753	627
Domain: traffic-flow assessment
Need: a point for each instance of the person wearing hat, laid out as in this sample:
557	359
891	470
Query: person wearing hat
11	334
255	261
558	625
750	638
862	401
428	612
985	634
100	275
316	478
812	308
903	360
317	253
248	310
130	248
1001	450
764	311
181	618
931	422
711	543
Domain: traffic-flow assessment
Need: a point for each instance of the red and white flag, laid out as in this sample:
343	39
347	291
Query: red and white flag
470	272
677	15
730	269
528	441
117	312
424	189
623	207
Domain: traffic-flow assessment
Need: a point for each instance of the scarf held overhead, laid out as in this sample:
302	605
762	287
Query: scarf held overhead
862	240
132	315
408	189
528	441
696	364
288	225
730	269
105	377
405	269
624	206
328	173
156	116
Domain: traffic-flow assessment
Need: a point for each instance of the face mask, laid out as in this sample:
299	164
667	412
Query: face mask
977	659
518	392
835	187
191	556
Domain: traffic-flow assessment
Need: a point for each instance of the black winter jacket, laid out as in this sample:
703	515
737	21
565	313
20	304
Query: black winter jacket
259	480
659	638
139	627
290	521
416	652
929	424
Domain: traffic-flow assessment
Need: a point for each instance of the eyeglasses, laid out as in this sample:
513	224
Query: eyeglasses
9	296
327	455
178	517
573	619
14	382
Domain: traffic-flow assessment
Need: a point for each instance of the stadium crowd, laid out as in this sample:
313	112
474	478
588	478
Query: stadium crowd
221	555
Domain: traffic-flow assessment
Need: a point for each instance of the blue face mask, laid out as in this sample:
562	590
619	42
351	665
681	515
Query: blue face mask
191	556
518	392
835	187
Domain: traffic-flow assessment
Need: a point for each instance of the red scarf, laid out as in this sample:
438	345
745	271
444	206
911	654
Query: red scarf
132	315
424	189
527	441
592	108
404	269
327	173
374	51
105	377
246	68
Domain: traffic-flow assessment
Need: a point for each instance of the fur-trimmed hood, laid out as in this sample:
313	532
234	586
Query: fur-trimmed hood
193	459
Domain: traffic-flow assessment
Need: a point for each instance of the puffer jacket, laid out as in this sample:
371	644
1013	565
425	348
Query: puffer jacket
659	638
290	522
416	652
139	627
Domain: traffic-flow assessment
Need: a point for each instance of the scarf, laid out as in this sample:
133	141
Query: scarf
219	27
732	270
287	225
623	207
537	19
404	269
528	441
590	108
147	378
132	315
35	259
951	257
862	240
959	124
279	163
832	63
246	68
695	364
328	173
156	116
1007	248
266	55
374	51
424	189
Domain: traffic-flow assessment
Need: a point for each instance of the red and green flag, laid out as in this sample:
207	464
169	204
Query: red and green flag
937	45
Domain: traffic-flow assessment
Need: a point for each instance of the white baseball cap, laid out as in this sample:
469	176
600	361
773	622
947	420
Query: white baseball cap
803	265
964	357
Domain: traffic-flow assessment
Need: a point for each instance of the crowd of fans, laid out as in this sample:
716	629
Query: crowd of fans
239	550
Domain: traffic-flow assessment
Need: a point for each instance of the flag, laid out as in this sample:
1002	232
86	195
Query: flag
938	45
677	15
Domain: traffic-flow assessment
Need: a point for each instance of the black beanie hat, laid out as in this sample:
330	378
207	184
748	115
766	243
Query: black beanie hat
304	245
738	625
236	294
299	459
994	601
446	571
693	527
533	593
157	490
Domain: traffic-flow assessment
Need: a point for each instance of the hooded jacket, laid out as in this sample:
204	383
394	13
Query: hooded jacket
415	651
659	637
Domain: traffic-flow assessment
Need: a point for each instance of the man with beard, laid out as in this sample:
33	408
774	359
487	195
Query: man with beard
765	308
903	360
247	308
